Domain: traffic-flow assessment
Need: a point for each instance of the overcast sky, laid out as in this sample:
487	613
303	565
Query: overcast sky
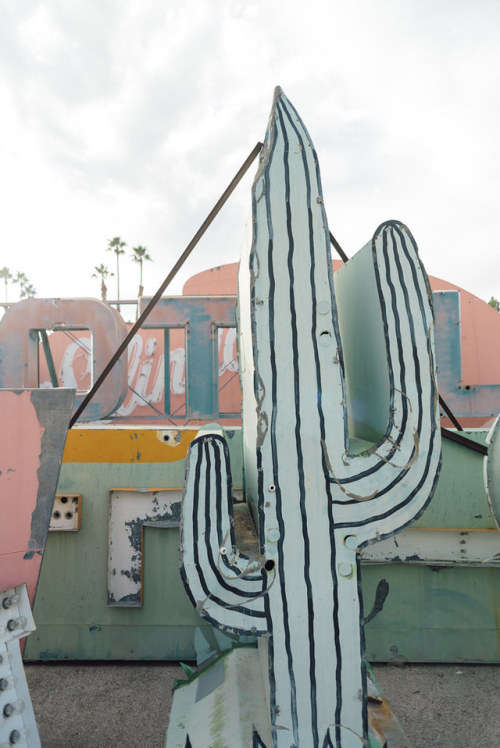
129	118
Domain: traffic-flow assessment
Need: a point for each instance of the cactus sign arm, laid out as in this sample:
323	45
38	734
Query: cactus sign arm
341	442
226	587
395	473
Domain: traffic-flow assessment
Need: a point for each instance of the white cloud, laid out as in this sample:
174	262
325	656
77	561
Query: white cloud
130	117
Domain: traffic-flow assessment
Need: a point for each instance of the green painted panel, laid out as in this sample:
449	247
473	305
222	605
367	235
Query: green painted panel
72	617
363	347
74	622
434	614
459	500
448	615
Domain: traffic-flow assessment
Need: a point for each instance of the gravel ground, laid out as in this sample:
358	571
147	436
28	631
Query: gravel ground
126	705
445	706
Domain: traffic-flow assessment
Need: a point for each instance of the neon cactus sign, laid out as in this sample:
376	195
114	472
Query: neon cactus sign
341	445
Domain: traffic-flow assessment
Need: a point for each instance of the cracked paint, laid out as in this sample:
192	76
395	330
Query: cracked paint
130	511
30	457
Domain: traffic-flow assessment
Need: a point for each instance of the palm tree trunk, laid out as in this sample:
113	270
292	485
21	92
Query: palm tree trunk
118	281
141	289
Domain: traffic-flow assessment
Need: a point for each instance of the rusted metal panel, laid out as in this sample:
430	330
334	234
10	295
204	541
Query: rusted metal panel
383	724
105	444
31	451
157	362
19	345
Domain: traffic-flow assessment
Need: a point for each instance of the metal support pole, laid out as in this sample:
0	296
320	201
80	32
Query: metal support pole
180	262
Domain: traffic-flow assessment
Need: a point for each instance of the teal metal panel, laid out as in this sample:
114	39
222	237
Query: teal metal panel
73	618
71	611
74	621
459	500
434	614
492	471
364	352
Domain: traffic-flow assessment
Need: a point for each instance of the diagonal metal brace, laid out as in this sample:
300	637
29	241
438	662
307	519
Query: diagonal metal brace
180	262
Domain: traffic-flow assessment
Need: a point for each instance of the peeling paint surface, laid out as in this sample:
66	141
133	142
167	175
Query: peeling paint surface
30	457
432	546
111	444
75	567
129	512
200	317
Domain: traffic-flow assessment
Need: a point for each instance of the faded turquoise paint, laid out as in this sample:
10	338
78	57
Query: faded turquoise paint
200	317
463	400
434	614
73	619
74	622
235	710
492	471
459	500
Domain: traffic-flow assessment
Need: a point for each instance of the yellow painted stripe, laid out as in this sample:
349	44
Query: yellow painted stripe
127	445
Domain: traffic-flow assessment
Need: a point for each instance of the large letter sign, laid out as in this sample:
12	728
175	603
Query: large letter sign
20	345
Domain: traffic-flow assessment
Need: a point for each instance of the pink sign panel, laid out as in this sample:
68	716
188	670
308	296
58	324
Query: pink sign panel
32	438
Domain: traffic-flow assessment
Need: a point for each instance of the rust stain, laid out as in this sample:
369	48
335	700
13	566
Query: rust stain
384	725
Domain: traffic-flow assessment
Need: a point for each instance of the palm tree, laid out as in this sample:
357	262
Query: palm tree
140	255
29	290
23	281
116	245
6	275
102	271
